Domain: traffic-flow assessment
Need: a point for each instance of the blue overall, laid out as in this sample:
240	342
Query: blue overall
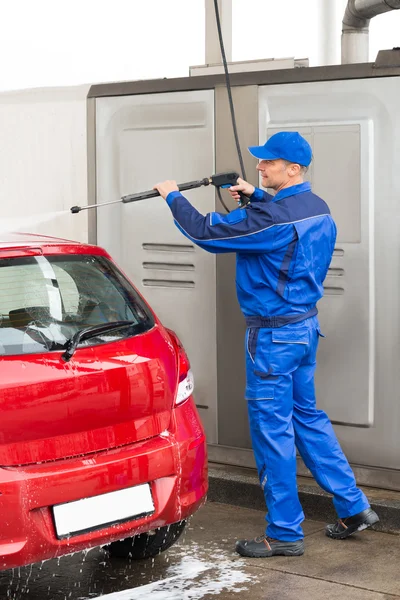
284	246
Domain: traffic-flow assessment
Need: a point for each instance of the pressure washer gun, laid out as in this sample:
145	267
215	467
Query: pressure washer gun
220	180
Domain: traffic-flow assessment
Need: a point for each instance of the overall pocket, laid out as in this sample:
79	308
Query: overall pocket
257	388
280	351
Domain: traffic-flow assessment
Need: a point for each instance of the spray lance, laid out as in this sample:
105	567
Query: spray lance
220	180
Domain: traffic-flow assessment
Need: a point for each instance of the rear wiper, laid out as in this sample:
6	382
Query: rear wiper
89	332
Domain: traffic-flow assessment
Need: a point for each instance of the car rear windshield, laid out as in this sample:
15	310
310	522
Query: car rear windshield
45	300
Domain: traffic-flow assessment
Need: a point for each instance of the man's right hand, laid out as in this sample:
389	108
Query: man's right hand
242	186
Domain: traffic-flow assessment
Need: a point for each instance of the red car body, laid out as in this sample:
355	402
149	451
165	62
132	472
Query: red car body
103	420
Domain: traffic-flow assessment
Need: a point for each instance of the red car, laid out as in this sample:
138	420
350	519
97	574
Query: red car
100	439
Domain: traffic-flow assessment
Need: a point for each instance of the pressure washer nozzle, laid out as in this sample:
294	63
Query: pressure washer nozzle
75	209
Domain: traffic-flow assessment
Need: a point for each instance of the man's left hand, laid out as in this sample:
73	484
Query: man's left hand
166	187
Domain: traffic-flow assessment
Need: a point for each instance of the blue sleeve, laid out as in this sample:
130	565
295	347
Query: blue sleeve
260	196
242	230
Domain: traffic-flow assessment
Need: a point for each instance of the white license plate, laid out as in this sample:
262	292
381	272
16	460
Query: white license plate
99	511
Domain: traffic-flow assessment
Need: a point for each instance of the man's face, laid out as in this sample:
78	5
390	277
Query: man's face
274	173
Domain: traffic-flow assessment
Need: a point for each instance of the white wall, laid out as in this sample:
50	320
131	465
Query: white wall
70	42
43	158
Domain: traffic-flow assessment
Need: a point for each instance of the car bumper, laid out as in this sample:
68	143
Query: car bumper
173	463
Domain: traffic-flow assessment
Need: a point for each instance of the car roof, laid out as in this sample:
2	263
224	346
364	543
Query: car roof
25	241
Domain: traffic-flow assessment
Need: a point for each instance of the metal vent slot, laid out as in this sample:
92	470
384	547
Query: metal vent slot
168	247
338	252
173	283
168	266
333	291
335	273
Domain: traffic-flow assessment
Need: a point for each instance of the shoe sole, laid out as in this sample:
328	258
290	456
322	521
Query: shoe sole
371	519
295	550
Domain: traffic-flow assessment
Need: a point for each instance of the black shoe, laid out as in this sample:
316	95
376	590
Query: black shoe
345	527
264	546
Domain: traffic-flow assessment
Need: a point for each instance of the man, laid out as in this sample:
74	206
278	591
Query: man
284	245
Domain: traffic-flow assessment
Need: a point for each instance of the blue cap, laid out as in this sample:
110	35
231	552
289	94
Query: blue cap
289	145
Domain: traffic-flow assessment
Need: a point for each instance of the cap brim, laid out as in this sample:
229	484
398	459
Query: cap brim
261	153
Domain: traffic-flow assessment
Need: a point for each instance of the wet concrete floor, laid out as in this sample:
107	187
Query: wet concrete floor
203	564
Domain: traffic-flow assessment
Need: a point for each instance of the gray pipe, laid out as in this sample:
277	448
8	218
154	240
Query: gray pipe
355	27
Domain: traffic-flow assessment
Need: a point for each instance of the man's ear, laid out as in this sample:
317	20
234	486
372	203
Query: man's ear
295	169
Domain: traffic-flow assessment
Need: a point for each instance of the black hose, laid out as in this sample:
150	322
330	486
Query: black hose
221	200
228	87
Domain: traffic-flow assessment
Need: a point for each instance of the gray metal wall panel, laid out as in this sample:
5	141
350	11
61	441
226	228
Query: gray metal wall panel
357	379
142	140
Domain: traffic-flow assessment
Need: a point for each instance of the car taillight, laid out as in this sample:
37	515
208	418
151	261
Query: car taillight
185	375
185	388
